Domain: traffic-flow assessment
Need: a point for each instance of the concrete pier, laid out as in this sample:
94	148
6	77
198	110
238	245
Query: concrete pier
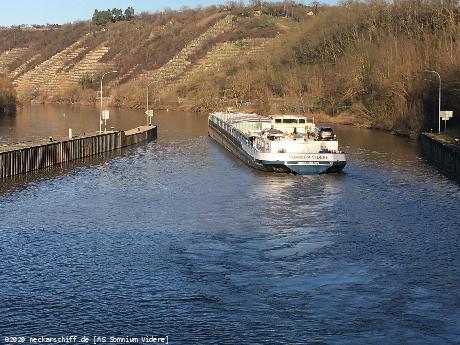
20	159
442	153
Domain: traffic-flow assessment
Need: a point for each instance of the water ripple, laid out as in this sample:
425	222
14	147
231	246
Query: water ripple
180	238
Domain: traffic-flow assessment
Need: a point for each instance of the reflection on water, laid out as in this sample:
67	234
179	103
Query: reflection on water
377	147
178	237
42	121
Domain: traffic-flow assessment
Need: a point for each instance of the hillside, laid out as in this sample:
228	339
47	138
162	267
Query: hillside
364	59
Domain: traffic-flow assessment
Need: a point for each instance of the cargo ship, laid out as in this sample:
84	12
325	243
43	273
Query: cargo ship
278	143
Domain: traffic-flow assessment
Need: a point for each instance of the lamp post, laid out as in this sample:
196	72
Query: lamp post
147	106
439	100
100	114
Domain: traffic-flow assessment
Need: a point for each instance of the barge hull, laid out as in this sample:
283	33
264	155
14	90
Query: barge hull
234	146
225	139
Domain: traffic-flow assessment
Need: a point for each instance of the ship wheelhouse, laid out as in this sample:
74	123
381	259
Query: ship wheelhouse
293	124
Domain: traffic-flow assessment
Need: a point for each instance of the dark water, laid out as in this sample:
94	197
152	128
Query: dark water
178	238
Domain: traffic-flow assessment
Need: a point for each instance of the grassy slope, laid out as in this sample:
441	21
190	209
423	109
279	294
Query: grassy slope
368	60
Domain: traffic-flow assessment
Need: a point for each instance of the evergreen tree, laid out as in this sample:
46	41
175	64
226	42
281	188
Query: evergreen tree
113	15
116	15
129	13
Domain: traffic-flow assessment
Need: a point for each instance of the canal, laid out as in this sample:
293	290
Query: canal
178	238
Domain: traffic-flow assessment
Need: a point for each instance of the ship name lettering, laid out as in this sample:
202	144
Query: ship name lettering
306	157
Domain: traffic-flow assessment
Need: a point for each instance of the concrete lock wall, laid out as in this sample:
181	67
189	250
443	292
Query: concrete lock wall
445	156
34	157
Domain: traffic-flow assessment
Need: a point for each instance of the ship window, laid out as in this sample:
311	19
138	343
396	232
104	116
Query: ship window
289	120
301	120
277	120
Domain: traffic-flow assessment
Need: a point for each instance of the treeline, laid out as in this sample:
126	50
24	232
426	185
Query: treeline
286	8
112	16
7	97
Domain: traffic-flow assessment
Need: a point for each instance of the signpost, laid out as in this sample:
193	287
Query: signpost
105	117
149	114
148	111
446	115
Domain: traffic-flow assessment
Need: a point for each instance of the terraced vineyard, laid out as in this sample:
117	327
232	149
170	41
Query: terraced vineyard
89	66
205	45
64	69
48	76
9	56
222	53
178	65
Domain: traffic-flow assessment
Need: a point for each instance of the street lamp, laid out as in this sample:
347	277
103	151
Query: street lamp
439	100
149	121
100	114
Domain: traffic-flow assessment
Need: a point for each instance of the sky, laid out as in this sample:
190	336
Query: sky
15	12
